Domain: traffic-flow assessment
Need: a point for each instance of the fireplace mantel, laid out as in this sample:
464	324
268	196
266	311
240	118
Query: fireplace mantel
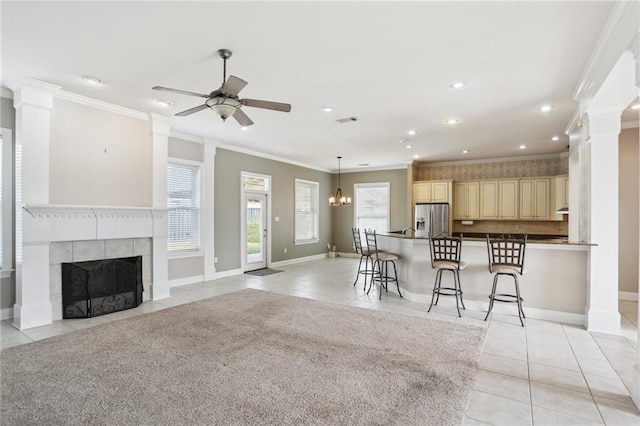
43	224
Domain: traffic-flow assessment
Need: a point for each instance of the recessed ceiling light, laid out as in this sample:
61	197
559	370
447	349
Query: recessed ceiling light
91	79
244	128
452	120
546	108
411	132
403	140
555	138
522	147
327	109
457	84
416	156
636	106
165	103
466	151
409	146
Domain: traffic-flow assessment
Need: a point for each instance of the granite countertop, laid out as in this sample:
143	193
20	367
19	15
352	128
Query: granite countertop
471	236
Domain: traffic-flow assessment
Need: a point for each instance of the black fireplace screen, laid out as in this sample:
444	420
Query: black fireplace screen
99	287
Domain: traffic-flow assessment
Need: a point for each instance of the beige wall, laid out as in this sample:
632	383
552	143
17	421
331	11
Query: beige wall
343	217
628	212
187	150
185	267
99	157
229	165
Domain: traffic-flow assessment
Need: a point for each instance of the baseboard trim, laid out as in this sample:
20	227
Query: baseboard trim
500	308
6	313
298	260
627	295
229	273
186	281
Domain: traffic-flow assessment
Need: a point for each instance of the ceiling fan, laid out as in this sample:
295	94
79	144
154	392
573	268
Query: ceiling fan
224	101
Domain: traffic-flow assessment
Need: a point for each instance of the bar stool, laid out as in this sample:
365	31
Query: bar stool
506	257
445	256
365	255
381	262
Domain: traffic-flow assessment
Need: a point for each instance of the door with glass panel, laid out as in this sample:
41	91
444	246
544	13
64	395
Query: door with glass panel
255	238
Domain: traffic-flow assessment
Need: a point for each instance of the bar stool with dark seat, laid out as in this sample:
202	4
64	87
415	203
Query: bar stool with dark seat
445	256
381	262
506	257
365	255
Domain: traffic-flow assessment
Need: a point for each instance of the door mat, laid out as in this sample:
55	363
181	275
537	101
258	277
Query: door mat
264	271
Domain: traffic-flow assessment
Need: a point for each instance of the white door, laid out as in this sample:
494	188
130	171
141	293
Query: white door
255	231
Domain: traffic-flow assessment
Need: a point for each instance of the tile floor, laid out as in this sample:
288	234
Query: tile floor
545	374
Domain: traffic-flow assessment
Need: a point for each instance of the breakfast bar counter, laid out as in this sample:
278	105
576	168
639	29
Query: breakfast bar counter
554	287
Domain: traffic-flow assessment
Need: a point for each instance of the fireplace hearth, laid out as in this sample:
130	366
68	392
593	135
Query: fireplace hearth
99	287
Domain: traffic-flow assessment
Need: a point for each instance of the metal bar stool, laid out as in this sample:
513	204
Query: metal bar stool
506	257
365	255
445	256
381	262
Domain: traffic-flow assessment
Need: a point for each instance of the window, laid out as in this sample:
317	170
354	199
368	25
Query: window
306	220
372	206
183	203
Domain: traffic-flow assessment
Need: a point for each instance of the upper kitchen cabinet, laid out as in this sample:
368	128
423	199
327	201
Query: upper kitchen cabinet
559	195
508	199
534	198
489	199
431	192
466	200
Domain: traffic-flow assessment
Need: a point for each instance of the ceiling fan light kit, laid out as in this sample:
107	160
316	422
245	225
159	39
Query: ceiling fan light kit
224	101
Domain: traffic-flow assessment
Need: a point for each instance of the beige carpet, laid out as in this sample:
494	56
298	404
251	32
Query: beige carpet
251	357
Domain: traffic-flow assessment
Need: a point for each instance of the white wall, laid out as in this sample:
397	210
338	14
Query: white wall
99	157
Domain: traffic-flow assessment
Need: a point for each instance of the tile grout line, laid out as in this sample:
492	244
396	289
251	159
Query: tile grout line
582	372
526	345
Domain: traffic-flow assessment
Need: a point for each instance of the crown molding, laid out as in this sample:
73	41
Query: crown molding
621	12
270	157
372	169
186	137
5	92
630	124
105	106
574	122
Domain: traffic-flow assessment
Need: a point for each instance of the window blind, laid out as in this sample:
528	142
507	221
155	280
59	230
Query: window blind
183	204
306	215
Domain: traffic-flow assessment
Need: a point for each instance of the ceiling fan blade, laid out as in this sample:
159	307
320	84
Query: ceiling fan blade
233	86
192	110
276	106
183	92
242	118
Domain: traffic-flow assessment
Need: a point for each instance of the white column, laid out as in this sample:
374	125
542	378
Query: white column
635	394
160	269
602	309
207	218
33	101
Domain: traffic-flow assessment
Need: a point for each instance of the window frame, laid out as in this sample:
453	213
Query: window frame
315	211
356	186
6	175
188	252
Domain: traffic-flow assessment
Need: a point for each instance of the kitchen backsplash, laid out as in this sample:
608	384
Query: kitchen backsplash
514	227
495	170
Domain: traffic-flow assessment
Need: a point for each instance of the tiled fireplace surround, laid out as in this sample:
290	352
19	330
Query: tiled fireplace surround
80	251
54	234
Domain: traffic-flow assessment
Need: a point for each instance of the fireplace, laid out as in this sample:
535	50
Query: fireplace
100	287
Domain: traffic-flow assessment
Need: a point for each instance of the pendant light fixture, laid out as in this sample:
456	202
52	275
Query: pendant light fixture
339	200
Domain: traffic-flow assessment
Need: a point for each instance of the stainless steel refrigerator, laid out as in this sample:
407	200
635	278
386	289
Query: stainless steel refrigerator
432	219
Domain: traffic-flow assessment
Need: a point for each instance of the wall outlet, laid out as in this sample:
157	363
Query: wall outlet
277	218
285	251
215	260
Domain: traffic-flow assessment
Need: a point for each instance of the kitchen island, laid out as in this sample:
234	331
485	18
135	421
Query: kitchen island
554	287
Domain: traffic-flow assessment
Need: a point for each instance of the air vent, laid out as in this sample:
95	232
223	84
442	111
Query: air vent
347	120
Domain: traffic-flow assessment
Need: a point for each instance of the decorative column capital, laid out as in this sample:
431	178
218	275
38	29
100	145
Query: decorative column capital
28	91
160	124
603	123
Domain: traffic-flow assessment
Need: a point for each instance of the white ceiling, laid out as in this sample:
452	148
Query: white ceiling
388	64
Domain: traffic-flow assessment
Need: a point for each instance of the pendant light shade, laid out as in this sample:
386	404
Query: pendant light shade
339	200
